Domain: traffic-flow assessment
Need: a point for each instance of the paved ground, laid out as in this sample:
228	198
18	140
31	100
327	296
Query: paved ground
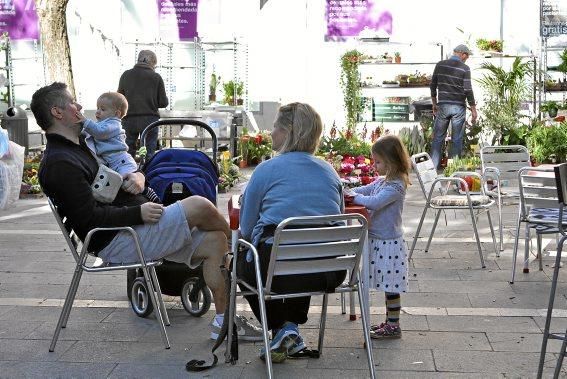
459	321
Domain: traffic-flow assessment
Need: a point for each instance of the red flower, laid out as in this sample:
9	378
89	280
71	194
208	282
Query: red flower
258	139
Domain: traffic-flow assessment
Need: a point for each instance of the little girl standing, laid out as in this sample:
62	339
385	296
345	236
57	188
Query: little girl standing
384	198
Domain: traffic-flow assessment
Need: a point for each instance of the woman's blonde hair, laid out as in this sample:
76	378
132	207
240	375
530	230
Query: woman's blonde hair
303	126
393	153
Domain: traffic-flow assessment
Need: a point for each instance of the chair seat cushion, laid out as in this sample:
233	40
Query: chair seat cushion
545	216
459	200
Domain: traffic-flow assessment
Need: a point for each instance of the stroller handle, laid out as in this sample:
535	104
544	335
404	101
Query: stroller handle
182	121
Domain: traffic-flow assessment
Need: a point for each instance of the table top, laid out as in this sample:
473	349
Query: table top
234	211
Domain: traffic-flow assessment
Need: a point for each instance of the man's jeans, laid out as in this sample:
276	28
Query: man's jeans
134	126
445	113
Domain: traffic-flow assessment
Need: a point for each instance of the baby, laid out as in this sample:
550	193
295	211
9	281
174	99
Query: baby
110	138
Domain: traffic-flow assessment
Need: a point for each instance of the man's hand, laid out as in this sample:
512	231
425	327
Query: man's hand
151	212
474	115
434	109
134	183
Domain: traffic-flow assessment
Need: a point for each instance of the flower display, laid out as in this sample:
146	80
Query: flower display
354	171
255	147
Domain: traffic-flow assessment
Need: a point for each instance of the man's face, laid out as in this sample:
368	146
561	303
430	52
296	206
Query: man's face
68	113
463	56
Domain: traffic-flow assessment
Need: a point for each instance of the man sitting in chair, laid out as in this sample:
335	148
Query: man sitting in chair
190	231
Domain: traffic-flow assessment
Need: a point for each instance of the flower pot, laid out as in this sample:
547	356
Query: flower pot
398	59
212	98
552	112
239	101
243	164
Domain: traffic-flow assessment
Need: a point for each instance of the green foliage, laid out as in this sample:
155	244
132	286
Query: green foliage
230	88
462	164
352	146
548	142
563	66
213	84
504	93
489	45
413	139
350	84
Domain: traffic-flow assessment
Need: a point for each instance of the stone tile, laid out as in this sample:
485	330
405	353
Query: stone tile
511	364
522	341
498	300
452	341
502	276
469	286
473	312
282	370
54	370
482	324
384	359
5	309
342	322
51	314
32	350
453	264
137	371
420	274
435	300
18	329
88	331
57	291
558	325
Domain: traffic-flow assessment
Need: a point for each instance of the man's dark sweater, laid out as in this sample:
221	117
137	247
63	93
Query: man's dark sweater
144	90
66	173
451	82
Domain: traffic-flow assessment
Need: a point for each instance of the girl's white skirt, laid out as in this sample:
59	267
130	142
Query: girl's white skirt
388	265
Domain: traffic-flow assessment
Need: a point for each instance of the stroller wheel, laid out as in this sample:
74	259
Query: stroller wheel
196	297
140	298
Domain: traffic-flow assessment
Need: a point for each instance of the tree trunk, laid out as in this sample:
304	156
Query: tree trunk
55	41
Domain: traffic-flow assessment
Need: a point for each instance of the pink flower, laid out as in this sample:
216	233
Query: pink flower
346	168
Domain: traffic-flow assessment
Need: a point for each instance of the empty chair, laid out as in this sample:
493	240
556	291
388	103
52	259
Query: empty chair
501	164
439	196
148	269
538	210
560	172
302	246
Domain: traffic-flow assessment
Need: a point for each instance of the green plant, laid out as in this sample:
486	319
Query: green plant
462	164
504	93
563	65
397	54
549	106
489	45
547	143
213	84
350	84
232	88
413	139
353	146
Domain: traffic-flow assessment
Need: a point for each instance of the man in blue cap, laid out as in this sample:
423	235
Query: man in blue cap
450	91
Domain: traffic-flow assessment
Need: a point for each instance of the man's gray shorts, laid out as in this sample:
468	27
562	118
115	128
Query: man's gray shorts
169	238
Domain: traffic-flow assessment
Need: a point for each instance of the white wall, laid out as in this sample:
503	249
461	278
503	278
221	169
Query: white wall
288	58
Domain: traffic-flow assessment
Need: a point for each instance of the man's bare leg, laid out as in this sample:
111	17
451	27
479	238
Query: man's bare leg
213	249
203	214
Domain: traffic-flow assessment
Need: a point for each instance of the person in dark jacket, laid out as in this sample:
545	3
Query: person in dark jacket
189	231
145	92
450	91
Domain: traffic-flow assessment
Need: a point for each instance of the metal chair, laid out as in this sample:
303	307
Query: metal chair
561	184
538	209
501	165
439	197
148	269
308	248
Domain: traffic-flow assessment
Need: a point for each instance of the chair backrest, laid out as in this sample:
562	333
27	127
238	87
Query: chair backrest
508	160
538	188
561	183
316	244
72	240
425	171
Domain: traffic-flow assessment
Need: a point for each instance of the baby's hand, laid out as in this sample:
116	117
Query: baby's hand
349	192
80	117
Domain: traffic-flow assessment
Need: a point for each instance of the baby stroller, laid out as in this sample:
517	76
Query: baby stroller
174	174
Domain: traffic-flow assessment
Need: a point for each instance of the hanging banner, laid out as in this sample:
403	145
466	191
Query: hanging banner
19	19
553	18
177	19
349	18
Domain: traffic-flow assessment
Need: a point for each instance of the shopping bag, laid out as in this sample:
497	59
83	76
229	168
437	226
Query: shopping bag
11	171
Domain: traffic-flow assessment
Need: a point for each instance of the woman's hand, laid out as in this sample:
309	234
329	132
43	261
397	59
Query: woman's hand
151	212
134	183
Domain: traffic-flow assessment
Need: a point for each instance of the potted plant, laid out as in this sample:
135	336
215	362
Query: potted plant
547	143
239	88
350	84
551	107
489	45
213	87
397	57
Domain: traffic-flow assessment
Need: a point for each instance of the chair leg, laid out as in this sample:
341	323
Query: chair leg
550	307
67	305
323	321
264	321
539	251
366	331
157	308
492	233
231	312
560	358
343	303
473	221
527	240
515	251
433	230
417	232
161	304
500	225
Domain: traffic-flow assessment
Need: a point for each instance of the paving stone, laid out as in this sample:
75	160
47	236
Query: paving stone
54	370
16	329
558	324
32	350
498	300
51	314
409	322
88	331
502	276
5	309
482	324
452	341
454	264
524	342
138	371
432	274
448	300
469	286
512	364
